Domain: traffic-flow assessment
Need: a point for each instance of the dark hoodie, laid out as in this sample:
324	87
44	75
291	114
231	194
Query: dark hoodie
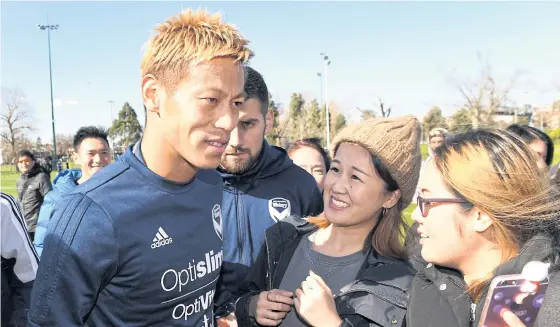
32	187
273	189
442	291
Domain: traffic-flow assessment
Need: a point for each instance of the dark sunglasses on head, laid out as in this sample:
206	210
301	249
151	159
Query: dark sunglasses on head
422	202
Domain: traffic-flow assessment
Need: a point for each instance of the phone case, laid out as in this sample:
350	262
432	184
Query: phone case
504	293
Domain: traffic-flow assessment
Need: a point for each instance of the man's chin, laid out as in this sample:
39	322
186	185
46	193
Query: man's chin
234	167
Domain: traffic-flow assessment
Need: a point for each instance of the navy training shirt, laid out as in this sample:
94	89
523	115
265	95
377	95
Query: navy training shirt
130	248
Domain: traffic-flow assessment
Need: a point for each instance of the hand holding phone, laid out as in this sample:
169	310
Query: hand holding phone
519	294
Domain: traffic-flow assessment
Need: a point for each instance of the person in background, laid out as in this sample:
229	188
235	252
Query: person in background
91	153
32	187
484	209
537	140
347	267
436	137
310	155
140	243
261	187
19	263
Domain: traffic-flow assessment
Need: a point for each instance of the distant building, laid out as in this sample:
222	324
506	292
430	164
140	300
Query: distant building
546	118
507	115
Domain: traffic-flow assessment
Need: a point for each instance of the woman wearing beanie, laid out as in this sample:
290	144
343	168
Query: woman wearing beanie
484	210
346	267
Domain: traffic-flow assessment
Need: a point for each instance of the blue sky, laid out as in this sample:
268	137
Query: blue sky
404	52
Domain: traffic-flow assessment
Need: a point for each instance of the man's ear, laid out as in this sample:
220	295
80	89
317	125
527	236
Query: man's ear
150	94
76	158
269	121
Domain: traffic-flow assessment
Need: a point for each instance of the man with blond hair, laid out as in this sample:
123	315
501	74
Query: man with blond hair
140	244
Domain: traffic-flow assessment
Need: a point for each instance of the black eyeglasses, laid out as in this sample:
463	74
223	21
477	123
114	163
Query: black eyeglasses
422	202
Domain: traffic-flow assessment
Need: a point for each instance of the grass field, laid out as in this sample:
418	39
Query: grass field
8	177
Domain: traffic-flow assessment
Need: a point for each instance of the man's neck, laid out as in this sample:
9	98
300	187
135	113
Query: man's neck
164	161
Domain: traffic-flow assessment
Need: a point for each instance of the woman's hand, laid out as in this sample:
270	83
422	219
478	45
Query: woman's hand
315	303
273	306
511	320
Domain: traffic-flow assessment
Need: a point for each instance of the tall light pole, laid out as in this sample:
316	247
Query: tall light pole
111	124
49	28
321	83
111	104
327	62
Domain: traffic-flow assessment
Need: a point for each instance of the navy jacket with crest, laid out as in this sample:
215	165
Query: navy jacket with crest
273	189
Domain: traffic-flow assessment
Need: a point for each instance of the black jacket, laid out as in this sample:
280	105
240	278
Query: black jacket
32	187
377	297
439	298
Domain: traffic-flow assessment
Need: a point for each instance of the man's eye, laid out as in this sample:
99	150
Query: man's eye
246	124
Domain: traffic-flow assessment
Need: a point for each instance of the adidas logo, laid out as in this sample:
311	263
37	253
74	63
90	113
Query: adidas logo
161	239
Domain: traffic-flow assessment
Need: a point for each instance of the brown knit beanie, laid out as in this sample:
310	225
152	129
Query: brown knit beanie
395	142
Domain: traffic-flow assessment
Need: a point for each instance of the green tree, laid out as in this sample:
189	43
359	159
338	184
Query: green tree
461	121
339	123
433	119
554	135
126	128
314	124
274	135
297	112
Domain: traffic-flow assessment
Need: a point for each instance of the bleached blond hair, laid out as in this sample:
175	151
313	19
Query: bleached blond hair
188	38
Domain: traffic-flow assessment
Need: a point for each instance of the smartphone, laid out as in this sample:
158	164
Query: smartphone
515	293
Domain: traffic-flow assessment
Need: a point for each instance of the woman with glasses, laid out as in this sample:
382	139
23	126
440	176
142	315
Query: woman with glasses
347	266
484	209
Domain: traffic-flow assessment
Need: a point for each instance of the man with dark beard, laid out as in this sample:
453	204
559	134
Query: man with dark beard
261	187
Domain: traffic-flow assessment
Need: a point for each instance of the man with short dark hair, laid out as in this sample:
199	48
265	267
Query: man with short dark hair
91	153
32	186
261	187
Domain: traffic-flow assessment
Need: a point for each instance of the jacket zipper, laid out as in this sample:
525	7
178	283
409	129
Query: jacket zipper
472	305
239	226
269	277
473	313
372	293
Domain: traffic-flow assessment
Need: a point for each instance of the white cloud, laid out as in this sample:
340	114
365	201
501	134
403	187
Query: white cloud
60	102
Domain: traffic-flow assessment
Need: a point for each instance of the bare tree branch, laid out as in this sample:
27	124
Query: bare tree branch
14	117
484	96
